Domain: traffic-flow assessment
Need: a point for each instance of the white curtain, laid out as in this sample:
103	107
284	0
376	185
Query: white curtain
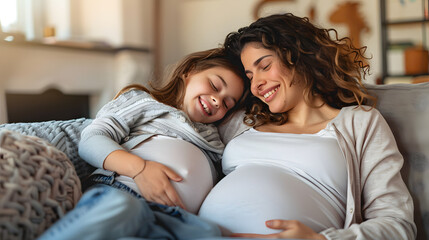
23	16
31	18
8	15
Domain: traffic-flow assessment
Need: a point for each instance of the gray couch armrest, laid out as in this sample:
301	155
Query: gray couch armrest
63	135
406	109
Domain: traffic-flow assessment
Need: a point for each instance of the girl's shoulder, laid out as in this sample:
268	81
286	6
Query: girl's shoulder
136	97
133	98
135	93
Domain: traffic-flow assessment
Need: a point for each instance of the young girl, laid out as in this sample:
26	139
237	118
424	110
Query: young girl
159	148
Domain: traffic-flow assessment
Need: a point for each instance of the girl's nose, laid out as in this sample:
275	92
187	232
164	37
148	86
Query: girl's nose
215	101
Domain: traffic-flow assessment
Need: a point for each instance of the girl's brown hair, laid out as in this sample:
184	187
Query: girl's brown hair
173	92
331	68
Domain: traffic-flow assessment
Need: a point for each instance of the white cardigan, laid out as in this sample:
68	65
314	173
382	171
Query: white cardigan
379	205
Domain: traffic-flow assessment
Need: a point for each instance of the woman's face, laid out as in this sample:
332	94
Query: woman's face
270	80
211	93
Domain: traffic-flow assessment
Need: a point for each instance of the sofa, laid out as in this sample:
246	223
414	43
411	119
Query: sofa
42	176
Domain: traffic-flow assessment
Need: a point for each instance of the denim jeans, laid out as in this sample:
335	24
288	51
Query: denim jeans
115	211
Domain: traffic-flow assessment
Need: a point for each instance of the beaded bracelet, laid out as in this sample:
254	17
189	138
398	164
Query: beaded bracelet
144	166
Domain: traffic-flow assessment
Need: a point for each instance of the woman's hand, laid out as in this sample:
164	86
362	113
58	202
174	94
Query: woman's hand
291	229
154	184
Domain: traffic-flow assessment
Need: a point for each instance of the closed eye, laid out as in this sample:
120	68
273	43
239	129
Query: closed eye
266	67
229	103
249	76
225	105
213	86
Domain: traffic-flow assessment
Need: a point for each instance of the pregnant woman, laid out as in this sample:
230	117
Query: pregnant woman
315	162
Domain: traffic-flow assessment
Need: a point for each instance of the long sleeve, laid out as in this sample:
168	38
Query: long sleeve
383	207
113	124
134	117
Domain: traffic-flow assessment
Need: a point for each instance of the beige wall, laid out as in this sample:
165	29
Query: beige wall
187	26
33	69
201	24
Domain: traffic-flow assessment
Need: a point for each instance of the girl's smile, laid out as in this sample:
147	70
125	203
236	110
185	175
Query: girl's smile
205	107
210	93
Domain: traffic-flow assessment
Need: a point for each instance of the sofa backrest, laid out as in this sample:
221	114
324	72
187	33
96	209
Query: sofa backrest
406	109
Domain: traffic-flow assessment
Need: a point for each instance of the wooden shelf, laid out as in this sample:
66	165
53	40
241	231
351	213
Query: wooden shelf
405	22
385	43
81	46
405	75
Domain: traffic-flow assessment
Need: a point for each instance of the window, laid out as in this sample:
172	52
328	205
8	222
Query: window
8	15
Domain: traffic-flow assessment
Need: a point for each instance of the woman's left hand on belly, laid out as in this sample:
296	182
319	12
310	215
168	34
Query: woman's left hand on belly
291	229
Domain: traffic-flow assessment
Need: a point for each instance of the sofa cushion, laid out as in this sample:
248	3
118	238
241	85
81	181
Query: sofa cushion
38	185
406	109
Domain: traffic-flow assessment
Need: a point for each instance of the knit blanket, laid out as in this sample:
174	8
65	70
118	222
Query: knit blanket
38	185
63	135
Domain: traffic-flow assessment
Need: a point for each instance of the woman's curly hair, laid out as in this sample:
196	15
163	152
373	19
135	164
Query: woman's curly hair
328	66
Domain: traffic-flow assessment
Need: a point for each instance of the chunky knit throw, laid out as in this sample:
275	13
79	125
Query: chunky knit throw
38	185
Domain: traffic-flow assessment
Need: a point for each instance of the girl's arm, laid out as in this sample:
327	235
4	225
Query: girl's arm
100	146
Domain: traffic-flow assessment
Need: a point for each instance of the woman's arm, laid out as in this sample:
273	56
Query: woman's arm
386	204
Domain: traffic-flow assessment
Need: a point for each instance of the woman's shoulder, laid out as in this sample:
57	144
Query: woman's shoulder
359	120
358	115
360	111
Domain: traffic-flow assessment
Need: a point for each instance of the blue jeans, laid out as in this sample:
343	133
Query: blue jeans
115	211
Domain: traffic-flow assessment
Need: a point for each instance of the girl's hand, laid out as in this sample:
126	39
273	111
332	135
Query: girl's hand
292	229
155	186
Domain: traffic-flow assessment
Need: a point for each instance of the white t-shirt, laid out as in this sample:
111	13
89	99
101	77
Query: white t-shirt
185	159
279	176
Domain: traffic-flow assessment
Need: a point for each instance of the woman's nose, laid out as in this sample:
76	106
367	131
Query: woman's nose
258	83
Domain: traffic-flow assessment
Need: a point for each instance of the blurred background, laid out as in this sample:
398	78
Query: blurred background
63	59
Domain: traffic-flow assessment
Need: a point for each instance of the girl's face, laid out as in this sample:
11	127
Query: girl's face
270	80
209	94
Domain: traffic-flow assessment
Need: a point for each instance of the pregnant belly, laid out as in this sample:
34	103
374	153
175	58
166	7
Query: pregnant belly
246	198
185	159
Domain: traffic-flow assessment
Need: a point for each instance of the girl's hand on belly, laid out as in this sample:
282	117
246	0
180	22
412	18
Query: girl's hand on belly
292	229
155	186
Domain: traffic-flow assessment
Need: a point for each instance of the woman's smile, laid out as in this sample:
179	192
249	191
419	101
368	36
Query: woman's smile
270	93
